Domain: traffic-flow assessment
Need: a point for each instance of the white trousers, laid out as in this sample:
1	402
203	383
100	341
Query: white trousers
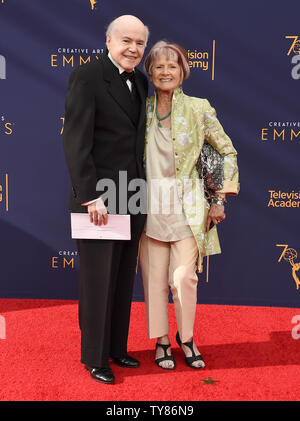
173	264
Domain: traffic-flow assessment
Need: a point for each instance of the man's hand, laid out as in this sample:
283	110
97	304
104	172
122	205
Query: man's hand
216	214
98	213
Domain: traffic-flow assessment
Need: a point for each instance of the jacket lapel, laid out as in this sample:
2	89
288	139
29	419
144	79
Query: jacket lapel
142	94
117	88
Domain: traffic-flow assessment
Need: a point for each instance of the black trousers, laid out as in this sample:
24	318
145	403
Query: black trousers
106	278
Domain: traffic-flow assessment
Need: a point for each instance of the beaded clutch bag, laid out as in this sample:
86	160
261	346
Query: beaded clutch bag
210	167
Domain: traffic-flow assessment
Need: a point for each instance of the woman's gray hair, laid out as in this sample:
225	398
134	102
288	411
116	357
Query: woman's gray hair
172	52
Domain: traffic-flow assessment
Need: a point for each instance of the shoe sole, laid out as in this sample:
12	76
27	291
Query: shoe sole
102	381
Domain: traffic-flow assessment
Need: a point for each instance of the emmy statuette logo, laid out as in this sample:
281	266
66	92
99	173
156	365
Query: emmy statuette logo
289	255
93	4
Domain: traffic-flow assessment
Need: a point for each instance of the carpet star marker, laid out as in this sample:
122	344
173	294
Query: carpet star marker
209	381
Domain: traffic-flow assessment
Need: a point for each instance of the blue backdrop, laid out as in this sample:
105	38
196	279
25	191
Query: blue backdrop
244	59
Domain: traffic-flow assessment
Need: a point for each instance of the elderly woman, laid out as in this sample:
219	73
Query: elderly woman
180	232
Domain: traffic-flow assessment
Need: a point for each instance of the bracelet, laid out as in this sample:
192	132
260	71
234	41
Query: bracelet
219	198
218	202
223	198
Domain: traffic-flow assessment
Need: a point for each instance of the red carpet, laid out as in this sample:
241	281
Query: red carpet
249	352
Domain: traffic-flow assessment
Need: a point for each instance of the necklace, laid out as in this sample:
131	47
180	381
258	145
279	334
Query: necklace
161	118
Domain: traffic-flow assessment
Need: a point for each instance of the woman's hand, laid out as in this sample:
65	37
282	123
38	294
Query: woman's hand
216	214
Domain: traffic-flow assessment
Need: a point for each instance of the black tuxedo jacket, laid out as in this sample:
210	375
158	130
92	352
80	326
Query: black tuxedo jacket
100	136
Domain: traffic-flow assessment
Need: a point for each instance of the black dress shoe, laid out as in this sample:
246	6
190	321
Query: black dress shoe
126	361
103	375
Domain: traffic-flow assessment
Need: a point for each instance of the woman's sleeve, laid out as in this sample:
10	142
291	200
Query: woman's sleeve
216	137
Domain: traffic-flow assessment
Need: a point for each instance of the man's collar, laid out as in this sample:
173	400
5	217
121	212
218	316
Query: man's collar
121	70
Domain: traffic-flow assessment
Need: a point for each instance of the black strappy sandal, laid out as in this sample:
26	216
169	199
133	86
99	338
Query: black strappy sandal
190	360
165	358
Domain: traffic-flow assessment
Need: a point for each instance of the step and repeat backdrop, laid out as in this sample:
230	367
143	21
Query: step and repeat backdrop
244	58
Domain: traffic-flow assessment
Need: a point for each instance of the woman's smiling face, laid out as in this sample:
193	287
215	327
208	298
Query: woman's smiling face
166	73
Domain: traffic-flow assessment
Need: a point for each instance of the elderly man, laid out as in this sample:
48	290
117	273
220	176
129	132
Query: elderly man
104	135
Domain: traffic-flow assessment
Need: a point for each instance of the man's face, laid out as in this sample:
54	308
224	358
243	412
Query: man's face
127	44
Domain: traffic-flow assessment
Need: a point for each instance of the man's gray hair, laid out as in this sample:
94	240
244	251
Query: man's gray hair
110	29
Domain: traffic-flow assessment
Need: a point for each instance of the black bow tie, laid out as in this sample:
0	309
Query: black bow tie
128	76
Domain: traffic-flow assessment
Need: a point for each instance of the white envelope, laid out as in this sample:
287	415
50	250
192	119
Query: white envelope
117	227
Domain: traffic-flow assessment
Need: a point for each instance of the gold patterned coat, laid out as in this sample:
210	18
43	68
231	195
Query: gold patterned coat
193	122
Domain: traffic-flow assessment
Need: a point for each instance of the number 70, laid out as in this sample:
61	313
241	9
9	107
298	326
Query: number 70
284	250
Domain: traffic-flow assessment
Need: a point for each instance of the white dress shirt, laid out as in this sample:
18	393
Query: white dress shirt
121	70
